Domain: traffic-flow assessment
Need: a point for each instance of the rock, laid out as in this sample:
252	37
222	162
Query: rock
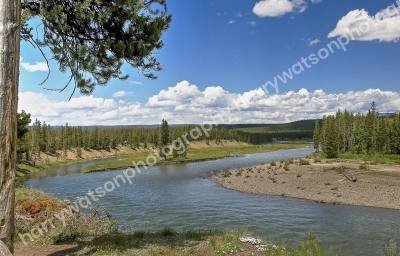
4	250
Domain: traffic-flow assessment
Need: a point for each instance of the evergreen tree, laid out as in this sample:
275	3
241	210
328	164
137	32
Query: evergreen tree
316	136
369	133
35	148
358	134
91	39
394	134
331	137
164	139
23	119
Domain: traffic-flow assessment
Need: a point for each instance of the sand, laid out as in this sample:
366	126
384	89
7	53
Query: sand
377	186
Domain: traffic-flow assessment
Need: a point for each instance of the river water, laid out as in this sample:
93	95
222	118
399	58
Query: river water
182	196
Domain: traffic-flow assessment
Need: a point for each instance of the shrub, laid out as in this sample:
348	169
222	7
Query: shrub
167	232
335	188
327	184
139	234
273	163
304	162
363	167
199	235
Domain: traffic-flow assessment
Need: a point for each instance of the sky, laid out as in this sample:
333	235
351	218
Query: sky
268	61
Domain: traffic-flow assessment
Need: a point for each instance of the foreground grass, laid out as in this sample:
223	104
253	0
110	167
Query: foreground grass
195	154
194	243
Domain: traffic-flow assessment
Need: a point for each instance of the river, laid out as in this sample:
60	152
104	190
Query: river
182	196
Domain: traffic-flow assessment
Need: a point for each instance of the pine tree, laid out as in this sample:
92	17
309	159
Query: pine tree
90	39
358	133
394	134
175	152
369	133
23	119
164	139
35	148
316	136
331	137
381	131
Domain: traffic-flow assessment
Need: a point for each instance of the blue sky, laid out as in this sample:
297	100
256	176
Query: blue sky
218	54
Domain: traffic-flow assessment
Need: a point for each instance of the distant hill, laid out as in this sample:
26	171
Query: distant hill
297	126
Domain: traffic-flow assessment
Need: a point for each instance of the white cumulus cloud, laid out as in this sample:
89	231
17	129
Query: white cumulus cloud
121	94
185	103
38	66
278	8
359	25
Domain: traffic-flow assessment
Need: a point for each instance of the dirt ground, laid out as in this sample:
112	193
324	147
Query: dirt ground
53	250
376	186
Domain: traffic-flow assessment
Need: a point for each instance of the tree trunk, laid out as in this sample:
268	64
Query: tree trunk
4	250
9	73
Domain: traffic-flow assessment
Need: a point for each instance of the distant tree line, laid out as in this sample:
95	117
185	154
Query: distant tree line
41	137
51	140
358	133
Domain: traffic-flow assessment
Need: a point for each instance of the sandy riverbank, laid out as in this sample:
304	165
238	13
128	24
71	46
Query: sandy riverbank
377	186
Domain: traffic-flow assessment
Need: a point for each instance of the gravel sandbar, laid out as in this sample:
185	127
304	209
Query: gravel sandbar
377	186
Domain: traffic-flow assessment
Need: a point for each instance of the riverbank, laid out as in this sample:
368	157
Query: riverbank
197	151
46	161
377	185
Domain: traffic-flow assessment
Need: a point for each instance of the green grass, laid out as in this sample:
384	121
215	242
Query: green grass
377	158
139	234
194	243
372	158
24	169
194	154
167	232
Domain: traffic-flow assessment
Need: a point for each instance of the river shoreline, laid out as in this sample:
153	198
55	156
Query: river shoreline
376	186
162	163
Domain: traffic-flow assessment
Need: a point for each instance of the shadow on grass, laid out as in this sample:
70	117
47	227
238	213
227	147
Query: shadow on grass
118	243
20	172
